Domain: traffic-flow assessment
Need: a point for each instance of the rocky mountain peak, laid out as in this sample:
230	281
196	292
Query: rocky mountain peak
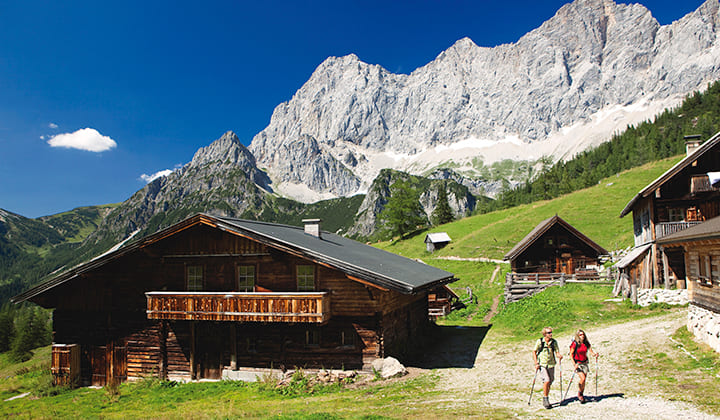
590	70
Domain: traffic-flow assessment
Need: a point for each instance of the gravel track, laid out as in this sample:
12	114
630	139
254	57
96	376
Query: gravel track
500	377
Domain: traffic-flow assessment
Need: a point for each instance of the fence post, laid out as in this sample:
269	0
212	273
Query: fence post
537	278
562	279
633	293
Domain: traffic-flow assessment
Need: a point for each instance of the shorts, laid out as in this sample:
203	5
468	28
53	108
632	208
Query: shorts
583	368
547	374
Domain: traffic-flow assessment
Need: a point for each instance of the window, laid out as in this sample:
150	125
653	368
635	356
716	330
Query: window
676	215
194	280
347	337
312	338
251	345
305	278
705	268
246	278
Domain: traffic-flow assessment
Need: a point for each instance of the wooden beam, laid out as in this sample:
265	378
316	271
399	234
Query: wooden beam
366	283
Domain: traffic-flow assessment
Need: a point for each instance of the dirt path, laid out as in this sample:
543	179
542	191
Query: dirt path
501	377
496	299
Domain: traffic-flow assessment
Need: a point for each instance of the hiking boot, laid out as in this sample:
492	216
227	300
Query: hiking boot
582	399
546	403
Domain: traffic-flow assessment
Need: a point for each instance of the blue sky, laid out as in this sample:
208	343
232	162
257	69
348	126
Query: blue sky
145	84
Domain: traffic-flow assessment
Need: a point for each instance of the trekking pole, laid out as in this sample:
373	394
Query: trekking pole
569	383
561	398
533	385
597	372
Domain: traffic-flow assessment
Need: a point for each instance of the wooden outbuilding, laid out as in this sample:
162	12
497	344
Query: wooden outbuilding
211	295
554	246
436	240
681	198
700	246
553	253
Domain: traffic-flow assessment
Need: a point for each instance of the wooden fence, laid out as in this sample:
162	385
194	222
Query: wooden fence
520	285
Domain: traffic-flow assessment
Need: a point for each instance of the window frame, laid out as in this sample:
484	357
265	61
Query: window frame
245	287
302	278
192	278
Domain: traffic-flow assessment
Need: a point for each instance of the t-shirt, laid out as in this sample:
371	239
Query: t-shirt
547	356
580	355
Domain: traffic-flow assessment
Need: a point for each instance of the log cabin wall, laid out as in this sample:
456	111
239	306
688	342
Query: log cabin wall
703	276
404	329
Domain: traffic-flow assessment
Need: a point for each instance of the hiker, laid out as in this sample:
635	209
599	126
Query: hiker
579	349
545	355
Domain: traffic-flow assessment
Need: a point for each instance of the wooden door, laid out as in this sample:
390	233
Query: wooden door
209	345
98	365
107	362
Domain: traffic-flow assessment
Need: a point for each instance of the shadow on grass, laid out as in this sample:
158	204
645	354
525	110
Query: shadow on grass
450	346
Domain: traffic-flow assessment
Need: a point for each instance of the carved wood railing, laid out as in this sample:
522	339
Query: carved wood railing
668	228
304	307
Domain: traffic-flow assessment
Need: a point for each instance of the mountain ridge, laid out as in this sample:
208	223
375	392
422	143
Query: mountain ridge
594	63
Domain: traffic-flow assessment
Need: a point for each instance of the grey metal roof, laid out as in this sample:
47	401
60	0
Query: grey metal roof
687	160
368	263
437	237
543	227
709	229
373	265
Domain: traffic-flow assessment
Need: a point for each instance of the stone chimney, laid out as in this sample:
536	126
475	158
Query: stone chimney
692	143
312	227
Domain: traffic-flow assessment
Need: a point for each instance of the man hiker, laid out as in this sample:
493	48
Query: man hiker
545	354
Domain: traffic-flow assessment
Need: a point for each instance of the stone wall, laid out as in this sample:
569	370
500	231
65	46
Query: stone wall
705	325
669	296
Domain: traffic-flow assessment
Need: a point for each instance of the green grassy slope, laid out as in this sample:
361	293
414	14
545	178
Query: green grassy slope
593	211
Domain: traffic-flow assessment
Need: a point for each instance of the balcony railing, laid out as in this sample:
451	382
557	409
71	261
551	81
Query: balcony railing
668	228
304	307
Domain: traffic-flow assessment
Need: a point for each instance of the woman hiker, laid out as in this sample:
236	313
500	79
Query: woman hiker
545	354
579	349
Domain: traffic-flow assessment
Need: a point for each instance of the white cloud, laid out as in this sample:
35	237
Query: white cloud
53	125
150	178
84	139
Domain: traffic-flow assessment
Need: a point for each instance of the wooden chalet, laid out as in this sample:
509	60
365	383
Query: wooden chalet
700	246
679	199
215	294
554	246
553	253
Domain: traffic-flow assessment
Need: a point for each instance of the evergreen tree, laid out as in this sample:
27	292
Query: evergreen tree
7	329
403	212
442	213
31	326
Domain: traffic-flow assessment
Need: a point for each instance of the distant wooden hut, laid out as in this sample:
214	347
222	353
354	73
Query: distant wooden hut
210	295
554	246
700	246
436	240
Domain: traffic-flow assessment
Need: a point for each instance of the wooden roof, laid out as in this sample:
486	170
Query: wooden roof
358	261
543	227
662	179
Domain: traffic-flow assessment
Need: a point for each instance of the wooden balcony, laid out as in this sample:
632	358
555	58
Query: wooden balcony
668	228
304	307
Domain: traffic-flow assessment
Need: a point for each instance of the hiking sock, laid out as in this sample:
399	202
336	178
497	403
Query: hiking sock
546	403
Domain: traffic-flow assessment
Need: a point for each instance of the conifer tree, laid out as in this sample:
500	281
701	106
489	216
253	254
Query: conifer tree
403	212
442	213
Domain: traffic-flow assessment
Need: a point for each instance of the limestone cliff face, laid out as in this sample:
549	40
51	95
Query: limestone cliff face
595	62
